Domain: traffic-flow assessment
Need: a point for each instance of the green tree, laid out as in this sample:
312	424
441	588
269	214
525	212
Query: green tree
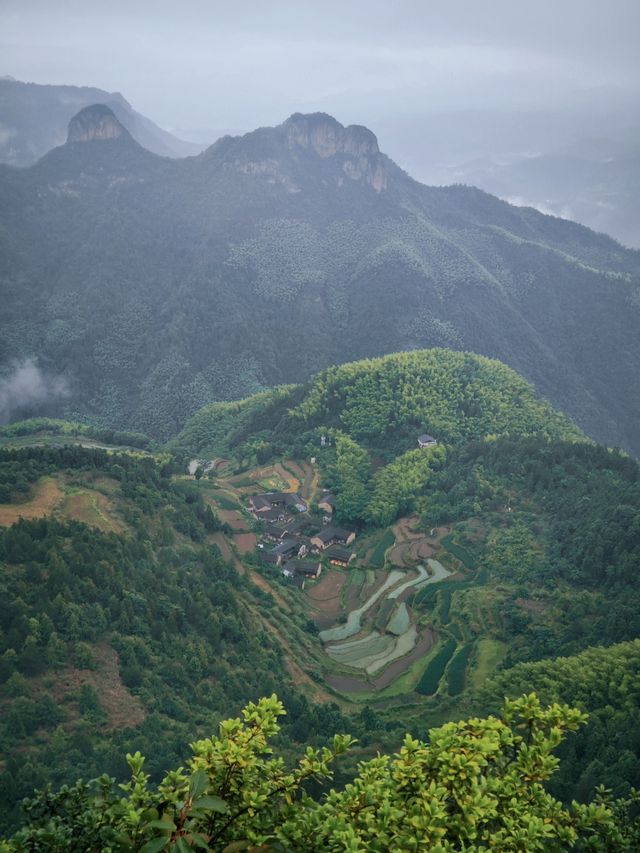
473	785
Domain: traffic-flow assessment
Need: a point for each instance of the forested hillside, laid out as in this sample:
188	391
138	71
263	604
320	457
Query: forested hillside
161	285
140	608
122	627
382	403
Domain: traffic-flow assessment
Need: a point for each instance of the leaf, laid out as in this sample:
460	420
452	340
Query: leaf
199	841
155	845
182	846
213	804
198	783
165	823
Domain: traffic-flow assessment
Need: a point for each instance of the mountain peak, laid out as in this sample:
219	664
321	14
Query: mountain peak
327	137
95	123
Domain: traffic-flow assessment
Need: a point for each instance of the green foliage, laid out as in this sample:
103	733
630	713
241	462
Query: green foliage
457	669
476	784
603	681
378	553
397	484
264	262
154	616
430	680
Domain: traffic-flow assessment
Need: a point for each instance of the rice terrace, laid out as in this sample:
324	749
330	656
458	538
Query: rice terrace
384	623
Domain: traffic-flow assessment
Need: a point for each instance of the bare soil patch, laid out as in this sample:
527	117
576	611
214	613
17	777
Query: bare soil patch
397	555
220	540
325	593
403	531
122	708
245	542
295	469
45	497
425	550
92	508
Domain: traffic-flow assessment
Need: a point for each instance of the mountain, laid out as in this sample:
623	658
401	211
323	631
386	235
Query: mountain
382	403
595	182
34	119
146	287
576	157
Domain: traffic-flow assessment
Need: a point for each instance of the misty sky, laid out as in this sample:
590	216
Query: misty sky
236	65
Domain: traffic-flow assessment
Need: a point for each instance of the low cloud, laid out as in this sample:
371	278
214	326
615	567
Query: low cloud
25	386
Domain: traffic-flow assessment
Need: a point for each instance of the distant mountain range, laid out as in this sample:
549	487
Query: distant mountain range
149	286
34	119
579	160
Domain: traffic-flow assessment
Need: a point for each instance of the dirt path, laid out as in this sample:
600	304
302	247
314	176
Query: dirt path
298	675
265	586
311	481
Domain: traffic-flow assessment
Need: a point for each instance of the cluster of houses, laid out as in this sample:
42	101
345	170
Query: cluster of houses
298	541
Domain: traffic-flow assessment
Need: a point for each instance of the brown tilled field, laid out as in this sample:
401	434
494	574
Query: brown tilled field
325	593
45	497
92	508
234	519
245	542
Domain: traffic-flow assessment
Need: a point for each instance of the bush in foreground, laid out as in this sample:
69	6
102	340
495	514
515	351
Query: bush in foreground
474	785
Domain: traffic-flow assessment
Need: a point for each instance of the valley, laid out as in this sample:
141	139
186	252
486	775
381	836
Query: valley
383	546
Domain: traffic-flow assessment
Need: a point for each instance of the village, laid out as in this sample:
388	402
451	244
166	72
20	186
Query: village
297	540
376	599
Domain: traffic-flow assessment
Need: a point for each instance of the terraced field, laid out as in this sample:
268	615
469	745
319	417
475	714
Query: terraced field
393	616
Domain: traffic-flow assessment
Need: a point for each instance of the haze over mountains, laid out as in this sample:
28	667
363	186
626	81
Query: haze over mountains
577	155
34	119
159	285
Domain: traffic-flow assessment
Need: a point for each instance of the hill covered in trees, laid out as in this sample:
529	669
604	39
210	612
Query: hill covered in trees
135	621
161	285
382	403
122	625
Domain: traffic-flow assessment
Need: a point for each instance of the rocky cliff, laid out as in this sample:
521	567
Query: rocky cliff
95	123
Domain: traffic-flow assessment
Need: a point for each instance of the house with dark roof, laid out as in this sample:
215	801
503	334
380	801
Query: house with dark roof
426	440
276	504
339	556
285	550
304	568
275	532
332	536
259	504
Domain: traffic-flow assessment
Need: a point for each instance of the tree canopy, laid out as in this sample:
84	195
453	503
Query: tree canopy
473	785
